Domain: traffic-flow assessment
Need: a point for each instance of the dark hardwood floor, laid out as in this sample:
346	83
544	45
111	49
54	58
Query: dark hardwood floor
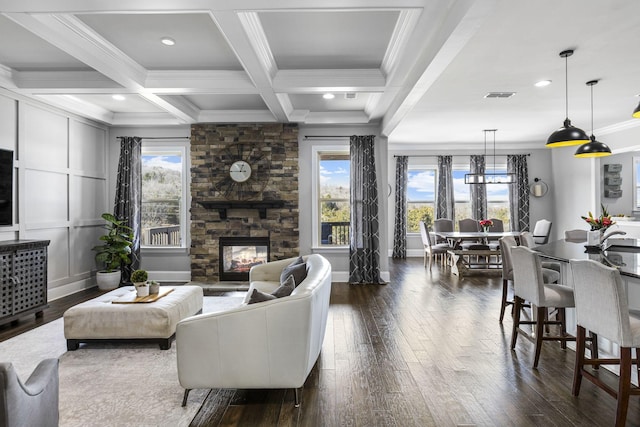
424	350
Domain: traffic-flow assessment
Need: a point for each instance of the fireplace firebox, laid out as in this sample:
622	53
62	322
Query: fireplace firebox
239	254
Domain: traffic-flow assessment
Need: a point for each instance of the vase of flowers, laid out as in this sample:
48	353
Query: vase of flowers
485	224
598	225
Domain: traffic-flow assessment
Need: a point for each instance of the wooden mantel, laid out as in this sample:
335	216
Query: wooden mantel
260	205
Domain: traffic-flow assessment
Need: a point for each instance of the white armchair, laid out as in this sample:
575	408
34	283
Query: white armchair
272	344
32	403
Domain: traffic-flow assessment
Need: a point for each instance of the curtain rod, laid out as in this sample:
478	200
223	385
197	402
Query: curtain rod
454	155
326	136
158	137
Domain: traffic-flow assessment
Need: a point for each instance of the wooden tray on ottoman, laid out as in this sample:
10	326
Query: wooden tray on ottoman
132	298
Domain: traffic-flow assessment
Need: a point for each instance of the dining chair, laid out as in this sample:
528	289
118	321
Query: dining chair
466	225
506	245
442	224
431	249
602	307
527	240
530	286
575	236
541	231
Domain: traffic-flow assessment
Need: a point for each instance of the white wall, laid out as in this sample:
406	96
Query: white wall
60	186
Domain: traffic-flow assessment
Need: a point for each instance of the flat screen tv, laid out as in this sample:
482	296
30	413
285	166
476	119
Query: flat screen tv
6	187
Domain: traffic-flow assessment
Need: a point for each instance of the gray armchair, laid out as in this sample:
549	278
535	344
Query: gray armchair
33	403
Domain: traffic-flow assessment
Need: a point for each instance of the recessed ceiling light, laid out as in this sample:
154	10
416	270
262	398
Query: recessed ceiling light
328	96
119	97
168	41
543	83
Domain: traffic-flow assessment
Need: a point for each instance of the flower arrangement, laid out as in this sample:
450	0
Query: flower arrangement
485	223
600	223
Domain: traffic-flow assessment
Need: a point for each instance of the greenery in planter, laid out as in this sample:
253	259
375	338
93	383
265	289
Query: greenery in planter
116	248
139	276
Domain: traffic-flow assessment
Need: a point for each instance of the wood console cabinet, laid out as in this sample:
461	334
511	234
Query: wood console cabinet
23	278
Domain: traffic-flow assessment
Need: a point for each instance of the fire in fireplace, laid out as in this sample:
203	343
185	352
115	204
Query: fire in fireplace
239	254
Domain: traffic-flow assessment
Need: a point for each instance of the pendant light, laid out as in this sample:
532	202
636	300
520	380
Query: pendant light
593	148
636	112
490	178
567	134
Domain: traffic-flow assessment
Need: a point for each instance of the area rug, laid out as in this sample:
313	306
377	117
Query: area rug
111	384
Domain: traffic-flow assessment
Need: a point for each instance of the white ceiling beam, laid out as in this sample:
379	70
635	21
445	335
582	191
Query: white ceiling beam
447	31
71	35
318	81
7	77
199	81
336	117
240	116
233	29
76	106
65	82
144	119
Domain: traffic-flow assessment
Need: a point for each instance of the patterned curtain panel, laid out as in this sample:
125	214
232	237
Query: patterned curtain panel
129	195
364	247
478	192
445	203
519	192
400	228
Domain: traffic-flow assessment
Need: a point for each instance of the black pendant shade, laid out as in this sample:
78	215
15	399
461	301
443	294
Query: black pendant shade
636	112
567	135
593	149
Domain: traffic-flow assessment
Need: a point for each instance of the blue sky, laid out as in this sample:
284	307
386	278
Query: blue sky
421	186
334	172
173	162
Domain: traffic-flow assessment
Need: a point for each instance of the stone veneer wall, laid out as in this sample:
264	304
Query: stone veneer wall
211	145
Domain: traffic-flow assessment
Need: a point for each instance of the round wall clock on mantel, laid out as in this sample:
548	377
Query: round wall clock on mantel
240	172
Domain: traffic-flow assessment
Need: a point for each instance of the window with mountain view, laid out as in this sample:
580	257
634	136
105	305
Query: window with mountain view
334	195
163	190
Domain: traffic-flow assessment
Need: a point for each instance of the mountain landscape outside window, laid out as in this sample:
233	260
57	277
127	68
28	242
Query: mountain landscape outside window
162	195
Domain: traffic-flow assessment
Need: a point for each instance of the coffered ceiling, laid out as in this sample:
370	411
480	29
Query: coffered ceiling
418	68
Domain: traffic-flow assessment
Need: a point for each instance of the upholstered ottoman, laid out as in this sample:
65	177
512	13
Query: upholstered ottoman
100	319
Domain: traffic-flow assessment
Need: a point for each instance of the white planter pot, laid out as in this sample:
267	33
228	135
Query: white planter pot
593	238
108	281
142	291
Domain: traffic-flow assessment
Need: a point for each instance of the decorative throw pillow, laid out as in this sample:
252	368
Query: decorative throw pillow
285	288
297	269
257	296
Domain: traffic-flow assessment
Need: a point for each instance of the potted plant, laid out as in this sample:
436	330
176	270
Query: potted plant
139	280
154	287
114	252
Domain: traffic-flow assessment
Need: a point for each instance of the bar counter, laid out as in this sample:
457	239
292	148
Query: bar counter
623	254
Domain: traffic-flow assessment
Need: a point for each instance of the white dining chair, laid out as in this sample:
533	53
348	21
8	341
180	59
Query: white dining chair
431	249
541	231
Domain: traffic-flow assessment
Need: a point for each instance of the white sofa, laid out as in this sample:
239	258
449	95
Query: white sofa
267	345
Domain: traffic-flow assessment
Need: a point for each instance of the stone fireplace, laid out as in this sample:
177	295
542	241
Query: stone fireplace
238	254
263	207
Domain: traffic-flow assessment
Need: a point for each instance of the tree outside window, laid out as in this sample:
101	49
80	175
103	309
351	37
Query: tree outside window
162	197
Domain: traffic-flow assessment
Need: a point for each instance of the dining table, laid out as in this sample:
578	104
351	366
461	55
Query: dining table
478	260
455	237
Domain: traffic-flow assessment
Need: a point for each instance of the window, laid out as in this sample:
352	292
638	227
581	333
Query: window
421	197
164	195
497	196
333	198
